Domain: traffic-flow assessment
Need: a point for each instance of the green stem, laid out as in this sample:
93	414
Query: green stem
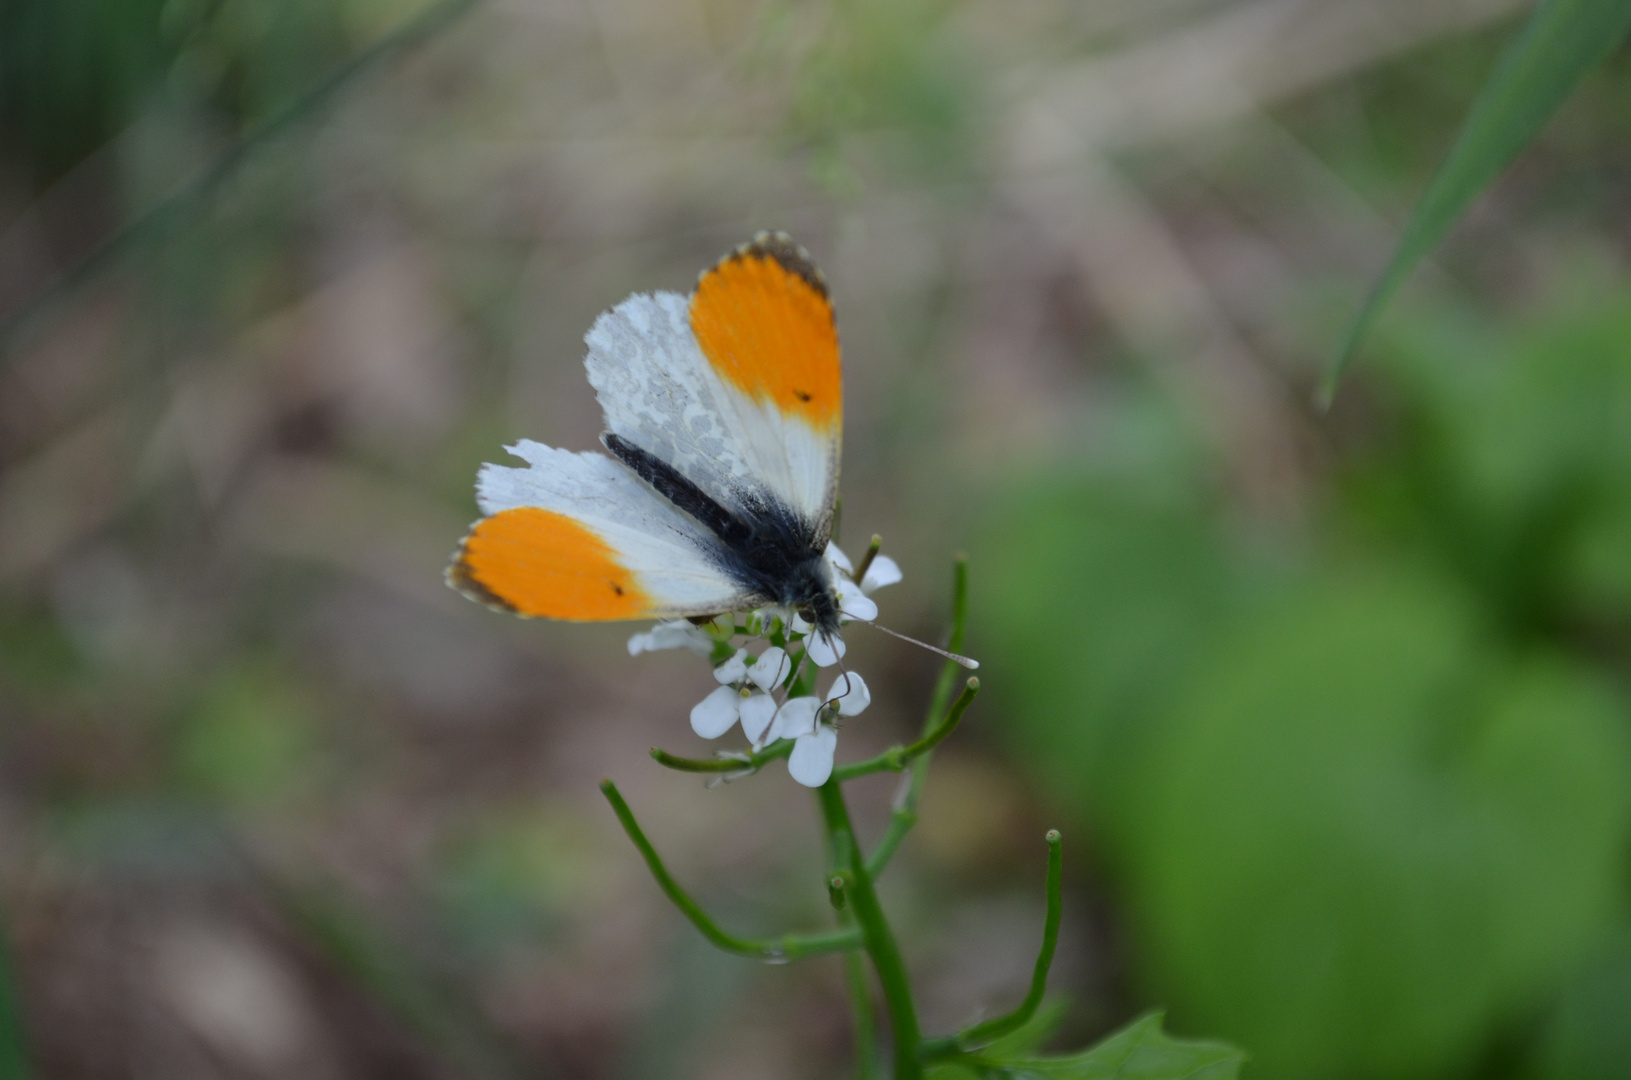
840	855
748	763
901	821
865	564
896	758
991	1030
786	947
866	1027
880	941
905	812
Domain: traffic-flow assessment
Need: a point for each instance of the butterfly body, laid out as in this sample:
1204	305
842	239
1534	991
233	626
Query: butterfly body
764	545
724	415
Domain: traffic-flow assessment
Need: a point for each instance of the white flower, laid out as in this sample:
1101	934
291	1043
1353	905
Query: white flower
855	603
770	669
735	699
722	709
797	717
849	694
679	634
825	649
810	763
749	685
717	713
800	719
758	710
883	571
734	670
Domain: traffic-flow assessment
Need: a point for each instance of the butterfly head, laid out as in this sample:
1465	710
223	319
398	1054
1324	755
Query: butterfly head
814	595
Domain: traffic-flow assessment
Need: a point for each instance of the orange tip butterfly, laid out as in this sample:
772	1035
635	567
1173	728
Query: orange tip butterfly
724	413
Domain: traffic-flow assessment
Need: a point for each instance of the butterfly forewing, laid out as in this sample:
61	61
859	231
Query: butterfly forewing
738	387
577	536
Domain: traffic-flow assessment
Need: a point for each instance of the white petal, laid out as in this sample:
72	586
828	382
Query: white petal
797	717
717	713
883	571
825	649
770	669
810	763
679	634
854	603
850	694
836	556
799	624
733	670
757	711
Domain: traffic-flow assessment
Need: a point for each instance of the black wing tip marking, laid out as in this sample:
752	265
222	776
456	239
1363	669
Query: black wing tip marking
459	578
789	253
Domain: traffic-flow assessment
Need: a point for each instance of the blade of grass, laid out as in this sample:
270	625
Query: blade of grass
157	218
391	973
13	1055
1562	41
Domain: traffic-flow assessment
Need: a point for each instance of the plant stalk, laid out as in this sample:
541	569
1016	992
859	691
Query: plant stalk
875	933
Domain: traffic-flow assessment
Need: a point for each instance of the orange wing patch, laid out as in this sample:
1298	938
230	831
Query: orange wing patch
538	562
764	323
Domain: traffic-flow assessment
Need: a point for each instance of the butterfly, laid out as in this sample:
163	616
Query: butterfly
724	416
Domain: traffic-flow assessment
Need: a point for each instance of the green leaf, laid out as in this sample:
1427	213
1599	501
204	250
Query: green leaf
1096	592
1586	1036
1562	41
1376	831
1139	1051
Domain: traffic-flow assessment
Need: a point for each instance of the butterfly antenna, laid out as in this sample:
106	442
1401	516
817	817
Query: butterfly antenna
972	665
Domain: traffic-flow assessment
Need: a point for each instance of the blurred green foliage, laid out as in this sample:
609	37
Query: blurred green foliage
74	73
508	877
1370	805
1359	784
893	69
1587	1037
250	736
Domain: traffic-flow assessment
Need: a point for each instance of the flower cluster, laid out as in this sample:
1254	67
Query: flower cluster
772	694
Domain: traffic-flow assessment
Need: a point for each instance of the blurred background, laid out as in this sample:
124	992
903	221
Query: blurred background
1332	709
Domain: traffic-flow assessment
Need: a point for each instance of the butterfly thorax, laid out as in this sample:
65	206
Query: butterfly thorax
765	546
